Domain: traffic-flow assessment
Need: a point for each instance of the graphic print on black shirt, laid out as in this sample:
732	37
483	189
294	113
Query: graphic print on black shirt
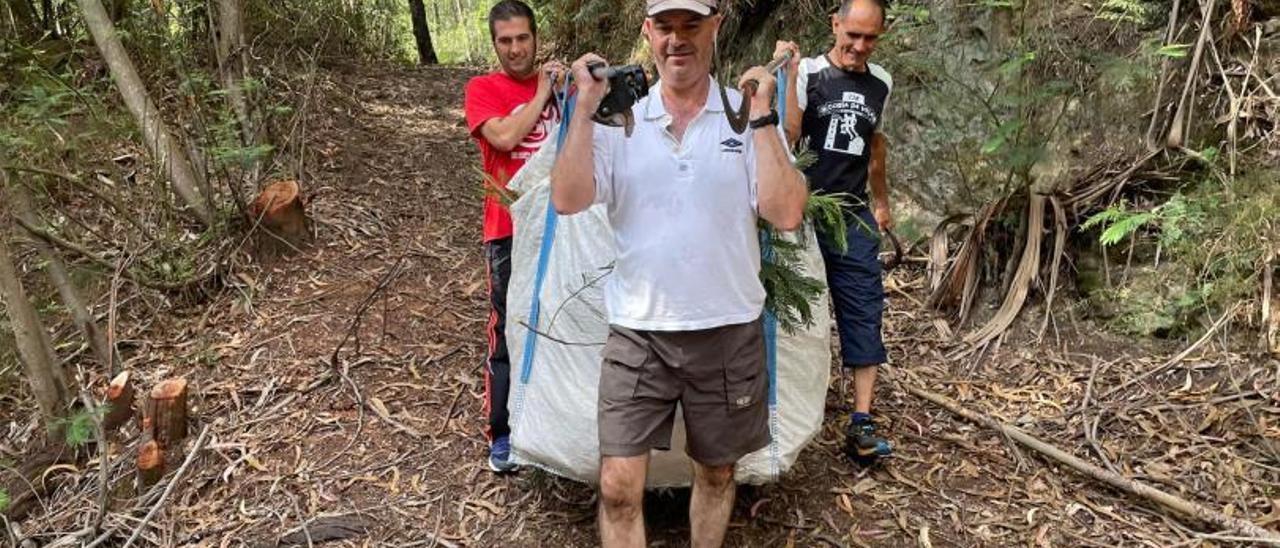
841	111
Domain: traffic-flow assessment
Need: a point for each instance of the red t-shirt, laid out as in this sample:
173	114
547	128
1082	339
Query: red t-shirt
498	95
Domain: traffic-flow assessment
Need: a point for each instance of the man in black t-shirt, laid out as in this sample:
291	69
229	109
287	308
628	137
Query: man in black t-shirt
835	104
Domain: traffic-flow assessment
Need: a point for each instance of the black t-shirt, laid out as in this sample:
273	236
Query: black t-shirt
841	111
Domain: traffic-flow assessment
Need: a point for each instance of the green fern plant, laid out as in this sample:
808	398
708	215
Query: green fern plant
1173	218
1117	222
78	429
4	500
1124	11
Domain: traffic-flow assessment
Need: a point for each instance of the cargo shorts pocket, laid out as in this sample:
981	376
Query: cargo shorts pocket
624	355
745	378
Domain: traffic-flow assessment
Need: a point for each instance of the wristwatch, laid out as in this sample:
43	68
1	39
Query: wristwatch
770	119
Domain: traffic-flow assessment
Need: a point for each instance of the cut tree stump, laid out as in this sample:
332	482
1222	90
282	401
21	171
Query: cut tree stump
279	212
119	402
167	414
150	465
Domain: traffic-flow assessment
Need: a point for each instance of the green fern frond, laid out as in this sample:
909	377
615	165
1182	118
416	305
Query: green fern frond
79	428
827	213
805	156
1125	11
1125	227
1105	217
788	292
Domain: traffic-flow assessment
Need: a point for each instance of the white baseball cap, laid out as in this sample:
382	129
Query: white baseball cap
700	7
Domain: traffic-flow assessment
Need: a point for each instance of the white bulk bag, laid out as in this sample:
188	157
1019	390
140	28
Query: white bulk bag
553	394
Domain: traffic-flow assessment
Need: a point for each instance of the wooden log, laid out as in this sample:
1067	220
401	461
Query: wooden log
279	211
120	396
150	465
167	414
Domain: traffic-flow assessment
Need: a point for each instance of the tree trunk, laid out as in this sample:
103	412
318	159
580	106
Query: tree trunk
94	337
460	20
48	383
233	62
159	140
422	33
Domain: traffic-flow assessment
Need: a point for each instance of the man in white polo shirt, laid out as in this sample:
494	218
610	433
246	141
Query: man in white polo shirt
684	193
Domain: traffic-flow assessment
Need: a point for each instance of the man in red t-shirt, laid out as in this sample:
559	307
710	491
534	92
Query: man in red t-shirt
510	113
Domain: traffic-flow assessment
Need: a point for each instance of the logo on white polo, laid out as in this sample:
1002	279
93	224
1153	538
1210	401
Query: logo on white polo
731	145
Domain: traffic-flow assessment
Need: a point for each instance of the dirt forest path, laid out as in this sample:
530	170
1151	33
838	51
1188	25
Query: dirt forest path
393	443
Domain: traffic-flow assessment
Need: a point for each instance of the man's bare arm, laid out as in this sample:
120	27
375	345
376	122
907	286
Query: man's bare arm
876	180
507	132
573	186
781	193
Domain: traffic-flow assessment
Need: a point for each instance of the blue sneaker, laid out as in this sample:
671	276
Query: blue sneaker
500	456
863	445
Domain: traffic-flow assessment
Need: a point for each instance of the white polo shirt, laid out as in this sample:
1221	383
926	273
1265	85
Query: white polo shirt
684	219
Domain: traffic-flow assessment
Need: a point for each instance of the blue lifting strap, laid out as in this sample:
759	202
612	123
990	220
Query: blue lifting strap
566	103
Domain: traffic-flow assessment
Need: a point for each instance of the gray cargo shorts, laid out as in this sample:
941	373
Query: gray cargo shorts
718	376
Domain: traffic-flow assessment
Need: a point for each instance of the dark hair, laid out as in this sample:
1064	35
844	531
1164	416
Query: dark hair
511	9
845	5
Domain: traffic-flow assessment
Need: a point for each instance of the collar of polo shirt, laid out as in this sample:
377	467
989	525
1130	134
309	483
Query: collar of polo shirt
657	109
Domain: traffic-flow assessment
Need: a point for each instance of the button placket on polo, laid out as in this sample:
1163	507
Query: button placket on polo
670	140
685	156
684	164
